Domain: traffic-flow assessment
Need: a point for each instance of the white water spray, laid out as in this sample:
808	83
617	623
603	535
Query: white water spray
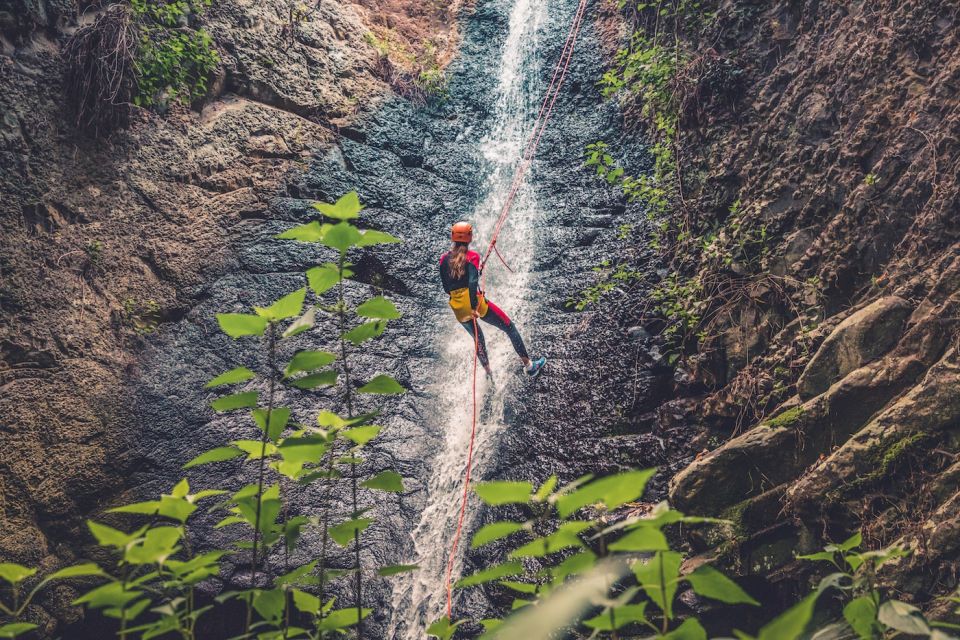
420	597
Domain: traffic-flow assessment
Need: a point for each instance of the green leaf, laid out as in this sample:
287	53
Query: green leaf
494	531
362	435
303	450
301	324
617	617
240	374
395	569
111	594
323	278
342	237
504	492
371	238
214	455
366	331
305	361
243	400
237	325
77	571
270	604
382	384
341	619
108	536
546	489
15	573
342	533
309	232
659	577
710	583
443	629
306	602
861	614
641	539
612	491
288	306
827	556
519	587
565	537
279	418
505	570
903	617
314	380
14	629
157	544
348	207
691	629
852	542
791	624
389	481
379	308
574	565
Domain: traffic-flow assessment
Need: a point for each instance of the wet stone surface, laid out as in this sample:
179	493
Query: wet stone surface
418	169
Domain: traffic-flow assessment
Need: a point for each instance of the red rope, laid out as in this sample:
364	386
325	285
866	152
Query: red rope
540	125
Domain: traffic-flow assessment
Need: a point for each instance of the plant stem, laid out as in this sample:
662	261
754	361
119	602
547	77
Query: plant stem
271	367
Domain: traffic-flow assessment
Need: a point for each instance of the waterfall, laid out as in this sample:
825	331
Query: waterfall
420	597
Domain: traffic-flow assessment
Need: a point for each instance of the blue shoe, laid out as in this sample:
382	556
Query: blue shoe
534	369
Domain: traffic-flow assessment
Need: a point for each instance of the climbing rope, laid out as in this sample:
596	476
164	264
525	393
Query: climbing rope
540	125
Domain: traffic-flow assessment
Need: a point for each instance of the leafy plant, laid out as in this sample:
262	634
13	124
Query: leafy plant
609	279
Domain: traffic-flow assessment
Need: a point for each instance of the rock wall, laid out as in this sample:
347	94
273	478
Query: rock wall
101	241
823	390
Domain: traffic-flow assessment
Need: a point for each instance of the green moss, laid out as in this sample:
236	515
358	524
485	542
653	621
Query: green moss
785	418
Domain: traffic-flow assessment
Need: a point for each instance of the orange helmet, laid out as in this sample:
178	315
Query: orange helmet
462	232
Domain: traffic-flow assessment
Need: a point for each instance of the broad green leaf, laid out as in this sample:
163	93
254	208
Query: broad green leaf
903	617
330	420
519	587
611	491
791	624
309	232
341	619
255	449
303	450
14	629
395	569
181	489
343	533
823	556
110	537
214	455
288	306
366	331
494	531
861	614
77	571
348	207
157	544
305	361
546	489
240	374
379	308
362	435
490	624
15	573
382	384
710	583
111	594
565	537
301	324
323	278
279	417
243	400
342	237
389	481
658	576
314	380
370	238
443	629
691	629
617	617
641	539
505	570
270	604
852	542
574	565
504	492
306	602
237	325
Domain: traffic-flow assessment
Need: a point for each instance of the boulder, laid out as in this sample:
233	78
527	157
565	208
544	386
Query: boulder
861	338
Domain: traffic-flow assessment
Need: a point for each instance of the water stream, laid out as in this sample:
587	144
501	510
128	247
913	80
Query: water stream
421	595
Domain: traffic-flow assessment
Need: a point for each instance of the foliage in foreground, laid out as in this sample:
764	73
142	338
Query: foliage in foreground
163	563
573	565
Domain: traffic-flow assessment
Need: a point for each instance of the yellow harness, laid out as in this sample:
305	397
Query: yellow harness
460	303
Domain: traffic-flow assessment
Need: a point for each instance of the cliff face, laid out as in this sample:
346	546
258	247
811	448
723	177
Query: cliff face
820	161
103	240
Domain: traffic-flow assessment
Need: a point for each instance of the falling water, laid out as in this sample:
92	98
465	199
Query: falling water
421	597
